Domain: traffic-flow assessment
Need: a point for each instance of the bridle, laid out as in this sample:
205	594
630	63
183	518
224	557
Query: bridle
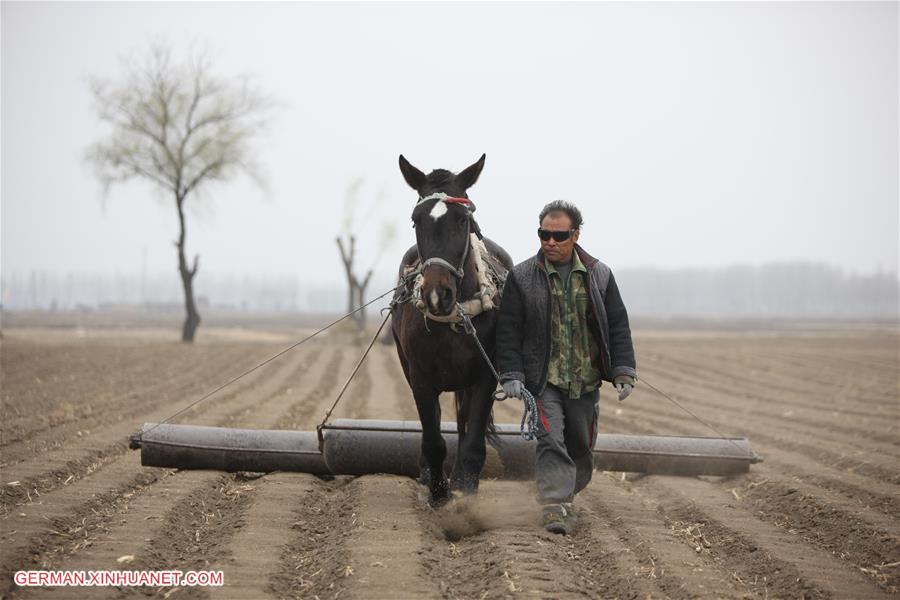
489	280
435	260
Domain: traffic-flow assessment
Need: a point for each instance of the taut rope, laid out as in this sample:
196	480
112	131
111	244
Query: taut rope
136	439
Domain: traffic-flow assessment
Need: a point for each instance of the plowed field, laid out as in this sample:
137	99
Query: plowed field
820	518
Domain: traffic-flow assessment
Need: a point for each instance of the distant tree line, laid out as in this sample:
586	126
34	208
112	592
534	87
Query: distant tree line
778	290
784	290
161	292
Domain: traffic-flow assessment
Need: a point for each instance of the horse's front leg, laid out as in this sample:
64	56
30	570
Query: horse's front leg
471	453
434	448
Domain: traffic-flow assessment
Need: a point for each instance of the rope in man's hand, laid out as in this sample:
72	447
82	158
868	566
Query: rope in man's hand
529	426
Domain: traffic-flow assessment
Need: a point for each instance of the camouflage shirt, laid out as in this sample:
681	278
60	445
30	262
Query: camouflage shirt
573	350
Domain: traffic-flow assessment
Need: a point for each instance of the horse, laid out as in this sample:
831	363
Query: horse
451	270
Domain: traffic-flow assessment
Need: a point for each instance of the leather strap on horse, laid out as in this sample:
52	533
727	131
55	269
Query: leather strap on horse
449	200
436	260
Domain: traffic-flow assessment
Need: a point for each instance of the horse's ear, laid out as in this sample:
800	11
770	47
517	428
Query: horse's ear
414	177
469	175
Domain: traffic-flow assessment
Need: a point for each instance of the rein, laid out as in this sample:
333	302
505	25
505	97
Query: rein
529	426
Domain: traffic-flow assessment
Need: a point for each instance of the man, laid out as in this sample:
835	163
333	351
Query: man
563	330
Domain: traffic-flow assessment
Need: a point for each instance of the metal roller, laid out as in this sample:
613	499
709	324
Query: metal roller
225	449
360	447
673	455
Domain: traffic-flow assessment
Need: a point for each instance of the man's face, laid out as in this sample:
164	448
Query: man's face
558	252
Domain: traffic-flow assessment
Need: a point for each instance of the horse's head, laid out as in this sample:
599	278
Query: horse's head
443	221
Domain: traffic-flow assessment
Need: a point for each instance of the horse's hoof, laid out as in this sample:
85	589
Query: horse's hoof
466	486
435	502
440	496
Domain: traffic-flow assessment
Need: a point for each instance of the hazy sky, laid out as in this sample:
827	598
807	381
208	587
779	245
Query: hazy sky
690	134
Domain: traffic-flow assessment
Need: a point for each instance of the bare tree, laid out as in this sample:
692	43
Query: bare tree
181	128
346	241
356	287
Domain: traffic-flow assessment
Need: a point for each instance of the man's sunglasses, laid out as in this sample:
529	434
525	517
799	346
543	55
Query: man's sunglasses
559	236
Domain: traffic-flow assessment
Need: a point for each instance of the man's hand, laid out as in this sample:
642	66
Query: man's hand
624	385
513	388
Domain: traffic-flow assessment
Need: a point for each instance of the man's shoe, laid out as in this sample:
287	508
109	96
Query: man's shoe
555	518
571	517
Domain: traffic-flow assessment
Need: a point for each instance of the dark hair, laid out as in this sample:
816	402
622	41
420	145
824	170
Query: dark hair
563	206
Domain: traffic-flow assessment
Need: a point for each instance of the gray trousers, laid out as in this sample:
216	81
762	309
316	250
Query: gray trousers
567	429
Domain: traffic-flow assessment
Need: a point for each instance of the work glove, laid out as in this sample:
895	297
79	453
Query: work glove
624	385
513	388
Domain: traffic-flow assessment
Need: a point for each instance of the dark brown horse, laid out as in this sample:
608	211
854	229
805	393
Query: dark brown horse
448	270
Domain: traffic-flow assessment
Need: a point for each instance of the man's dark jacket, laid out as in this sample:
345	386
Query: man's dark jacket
523	331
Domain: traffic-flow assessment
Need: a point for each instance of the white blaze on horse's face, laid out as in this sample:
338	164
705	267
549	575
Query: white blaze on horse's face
438	210
435	301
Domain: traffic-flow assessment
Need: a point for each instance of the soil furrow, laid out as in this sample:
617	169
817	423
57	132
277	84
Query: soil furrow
316	561
874	365
762	554
94	400
494	545
850	512
30	541
83	457
769	396
532	557
756	567
58	435
831	351
463	560
127	531
828	397
631	524
811	444
792	421
404	404
356	400
113	365
256	560
831	368
257	546
785	354
196	531
816	519
302	413
133	527
834	530
806	372
861	493
387	541
276	393
876	383
37	535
